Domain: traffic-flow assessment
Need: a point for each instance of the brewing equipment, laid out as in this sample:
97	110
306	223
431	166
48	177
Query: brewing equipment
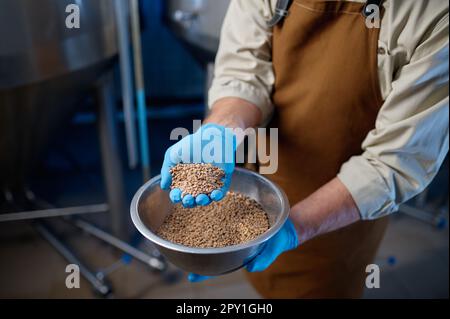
45	68
197	23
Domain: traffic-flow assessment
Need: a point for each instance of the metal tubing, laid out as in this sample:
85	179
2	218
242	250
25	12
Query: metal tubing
112	168
99	286
140	89
153	262
126	81
54	212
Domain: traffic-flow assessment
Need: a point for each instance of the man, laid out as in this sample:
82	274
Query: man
362	114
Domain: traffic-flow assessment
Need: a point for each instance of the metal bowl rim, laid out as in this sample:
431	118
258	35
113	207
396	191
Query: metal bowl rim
150	235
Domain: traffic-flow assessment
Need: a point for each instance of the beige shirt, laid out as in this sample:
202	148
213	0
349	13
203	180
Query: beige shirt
404	151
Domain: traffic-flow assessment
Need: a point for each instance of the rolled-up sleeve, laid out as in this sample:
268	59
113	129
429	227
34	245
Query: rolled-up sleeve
410	140
243	63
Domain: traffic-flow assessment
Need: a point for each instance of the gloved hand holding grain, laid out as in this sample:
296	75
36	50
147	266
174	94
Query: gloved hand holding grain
233	220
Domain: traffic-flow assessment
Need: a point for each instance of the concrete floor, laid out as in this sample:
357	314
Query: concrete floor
422	263
30	267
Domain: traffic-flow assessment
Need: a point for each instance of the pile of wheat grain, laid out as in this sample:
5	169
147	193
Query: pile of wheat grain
233	220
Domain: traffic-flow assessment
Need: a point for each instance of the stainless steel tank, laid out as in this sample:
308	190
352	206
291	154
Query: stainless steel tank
45	68
197	23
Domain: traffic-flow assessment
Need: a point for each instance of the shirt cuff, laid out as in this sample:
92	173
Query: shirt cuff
368	189
246	92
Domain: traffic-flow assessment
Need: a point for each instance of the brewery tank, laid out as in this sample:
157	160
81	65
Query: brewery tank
197	24
45	69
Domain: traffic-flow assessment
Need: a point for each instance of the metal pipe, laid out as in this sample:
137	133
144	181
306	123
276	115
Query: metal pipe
140	88
151	261
99	286
174	111
126	81
54	212
110	154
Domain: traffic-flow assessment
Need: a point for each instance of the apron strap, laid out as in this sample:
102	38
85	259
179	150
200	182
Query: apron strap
282	10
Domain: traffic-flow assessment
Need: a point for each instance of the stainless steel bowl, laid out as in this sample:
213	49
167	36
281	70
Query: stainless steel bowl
151	205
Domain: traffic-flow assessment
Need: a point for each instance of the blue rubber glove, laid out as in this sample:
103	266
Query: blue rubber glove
286	239
213	144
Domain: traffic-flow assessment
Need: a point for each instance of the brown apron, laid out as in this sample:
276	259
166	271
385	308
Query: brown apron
327	97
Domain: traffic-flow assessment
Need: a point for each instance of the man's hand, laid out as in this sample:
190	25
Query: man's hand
286	239
329	208
196	148
226	114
